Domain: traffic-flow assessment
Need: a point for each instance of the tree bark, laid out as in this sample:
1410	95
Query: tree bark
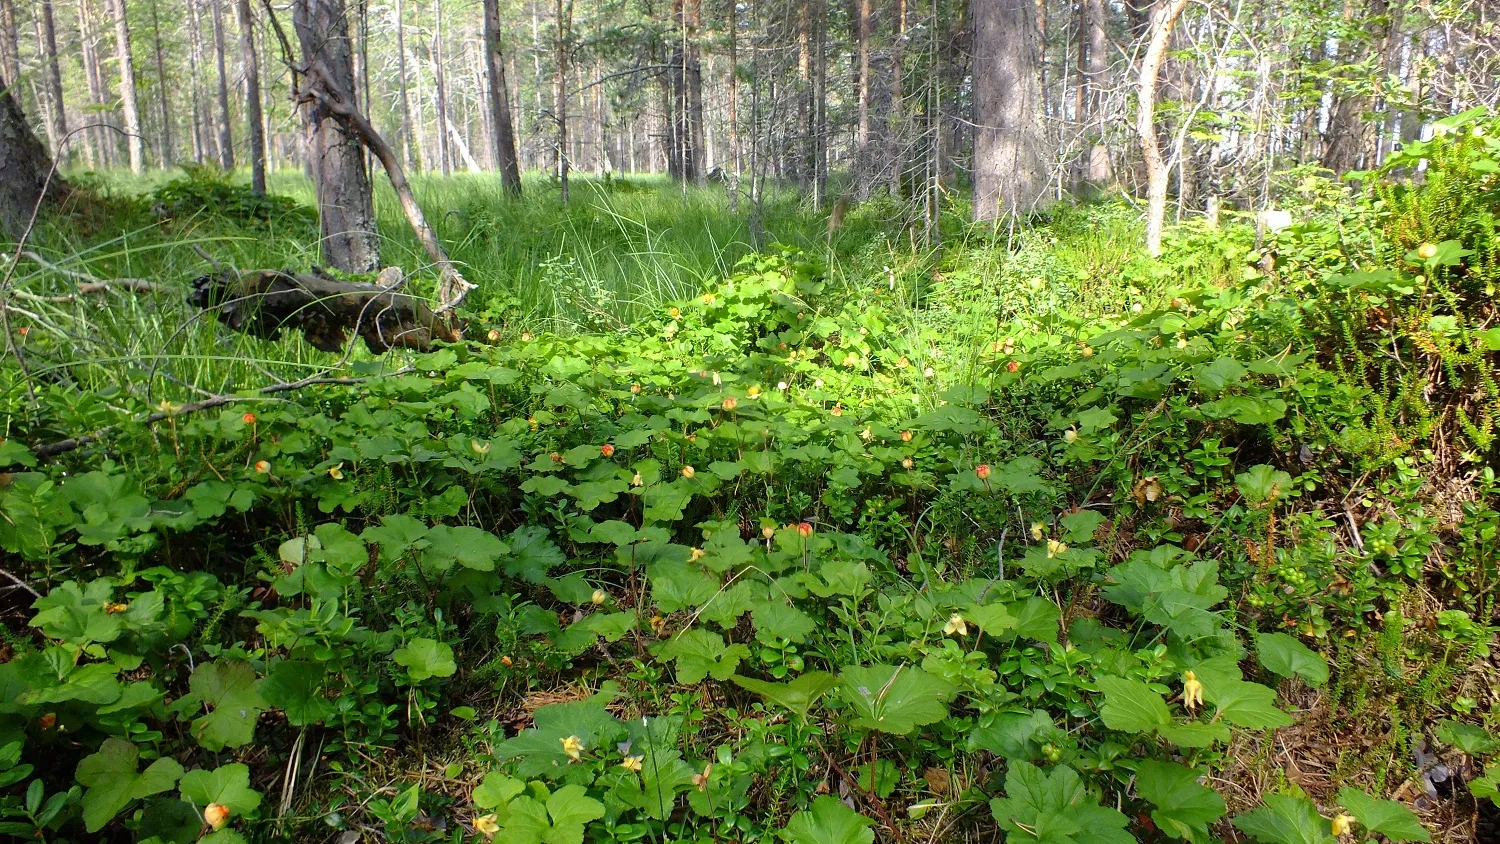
401	81
202	138
166	152
10	43
98	140
57	122
27	168
254	120
263	303
135	142
501	128
346	210
863	165
1162	21
1098	172
452	287
440	89
1010	170
226	129
564	12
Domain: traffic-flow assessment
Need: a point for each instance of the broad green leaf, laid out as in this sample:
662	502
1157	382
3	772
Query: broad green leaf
1245	704
776	619
1195	734
423	658
497	789
1184	808
1055	808
1131	707
1285	819
702	653
227	689
296	688
1383	817
113	783
677	586
799	695
1011	735
1472	740
1262	485
1286	656
571	809
828	821
895	699
470	547
227	785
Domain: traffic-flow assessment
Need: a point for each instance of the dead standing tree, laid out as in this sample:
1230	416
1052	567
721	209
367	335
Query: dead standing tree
325	310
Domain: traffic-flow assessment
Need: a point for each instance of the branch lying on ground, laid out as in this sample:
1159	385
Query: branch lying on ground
63	446
263	302
89	284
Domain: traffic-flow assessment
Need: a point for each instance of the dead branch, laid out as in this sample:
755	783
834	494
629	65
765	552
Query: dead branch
88	284
452	287
263	302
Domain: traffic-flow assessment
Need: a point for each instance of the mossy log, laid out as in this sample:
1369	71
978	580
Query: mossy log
263	302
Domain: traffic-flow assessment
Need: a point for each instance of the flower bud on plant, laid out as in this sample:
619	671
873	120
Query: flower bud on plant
248	419
216	815
983	471
689	472
598	598
1427	251
263	467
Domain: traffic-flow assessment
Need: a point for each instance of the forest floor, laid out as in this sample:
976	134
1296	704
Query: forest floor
723	527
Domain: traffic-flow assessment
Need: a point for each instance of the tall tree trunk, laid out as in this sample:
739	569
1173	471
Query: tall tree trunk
1010	170
564	23
166	152
440	88
1098	172
820	105
254	125
99	141
1162	21
57	122
694	67
501	128
129	104
896	118
401	81
226	128
863	165
346	209
26	166
202	137
734	105
10	44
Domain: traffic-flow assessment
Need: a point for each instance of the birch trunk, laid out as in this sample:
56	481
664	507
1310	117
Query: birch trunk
130	105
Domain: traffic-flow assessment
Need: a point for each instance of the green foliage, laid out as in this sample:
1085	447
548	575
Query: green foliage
1077	510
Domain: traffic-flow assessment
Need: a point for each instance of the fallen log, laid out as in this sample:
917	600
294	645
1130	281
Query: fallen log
263	302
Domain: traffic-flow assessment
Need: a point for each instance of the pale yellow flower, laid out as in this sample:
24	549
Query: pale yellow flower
956	625
1037	530
1055	548
1192	691
1342	825
698	554
486	825
632	763
336	472
573	746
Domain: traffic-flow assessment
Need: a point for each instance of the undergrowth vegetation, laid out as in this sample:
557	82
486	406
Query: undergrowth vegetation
1030	536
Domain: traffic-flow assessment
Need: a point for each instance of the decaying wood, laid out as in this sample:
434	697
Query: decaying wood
321	87
263	302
